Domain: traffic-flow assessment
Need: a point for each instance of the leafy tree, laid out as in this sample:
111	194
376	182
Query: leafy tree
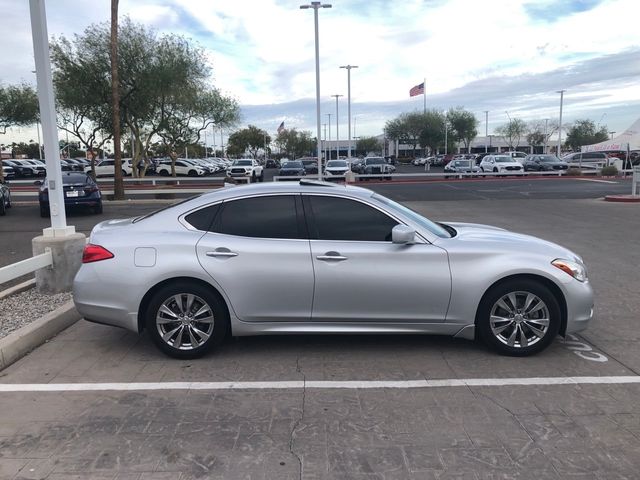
512	132
539	132
406	128
464	125
29	149
294	143
368	144
432	135
18	106
584	132
250	139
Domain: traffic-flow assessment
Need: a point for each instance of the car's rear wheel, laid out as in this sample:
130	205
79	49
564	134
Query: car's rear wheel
518	318
261	177
98	209
44	211
3	208
185	320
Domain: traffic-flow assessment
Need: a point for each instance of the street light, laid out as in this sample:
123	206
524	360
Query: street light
349	67
329	144
561	92
316	6
486	130
337	96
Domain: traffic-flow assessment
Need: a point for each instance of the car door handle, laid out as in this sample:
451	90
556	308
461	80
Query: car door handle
331	257
221	253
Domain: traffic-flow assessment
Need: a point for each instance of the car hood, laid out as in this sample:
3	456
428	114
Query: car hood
478	233
508	164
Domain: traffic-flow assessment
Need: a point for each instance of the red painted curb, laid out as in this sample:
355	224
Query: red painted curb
622	198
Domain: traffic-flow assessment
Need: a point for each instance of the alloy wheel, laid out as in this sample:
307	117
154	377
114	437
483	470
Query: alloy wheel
519	319
185	321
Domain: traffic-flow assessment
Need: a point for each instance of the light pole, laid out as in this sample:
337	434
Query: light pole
486	130
329	144
337	96
324	143
561	92
546	121
316	6
349	67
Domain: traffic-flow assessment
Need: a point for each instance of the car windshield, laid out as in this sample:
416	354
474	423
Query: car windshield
548	159
375	161
414	216
337	163
293	165
242	163
503	159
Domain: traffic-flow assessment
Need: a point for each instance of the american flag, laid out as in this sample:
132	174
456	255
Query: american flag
417	90
281	128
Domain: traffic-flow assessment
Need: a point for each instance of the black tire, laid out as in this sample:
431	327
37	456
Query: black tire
3	208
44	211
164	172
9	201
218	328
519	287
124	173
253	178
261	177
192	173
98	210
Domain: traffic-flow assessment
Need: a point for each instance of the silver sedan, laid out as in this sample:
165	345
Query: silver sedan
314	257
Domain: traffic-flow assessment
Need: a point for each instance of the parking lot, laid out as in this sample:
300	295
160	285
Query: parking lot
374	423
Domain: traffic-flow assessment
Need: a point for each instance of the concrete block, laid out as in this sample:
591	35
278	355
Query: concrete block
67	258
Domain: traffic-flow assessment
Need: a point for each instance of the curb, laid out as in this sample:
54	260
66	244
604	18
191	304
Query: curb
622	198
22	341
21	287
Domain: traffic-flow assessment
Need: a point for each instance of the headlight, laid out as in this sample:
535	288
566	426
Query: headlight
575	269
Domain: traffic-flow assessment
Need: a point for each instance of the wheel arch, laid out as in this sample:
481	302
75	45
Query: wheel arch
146	299
551	285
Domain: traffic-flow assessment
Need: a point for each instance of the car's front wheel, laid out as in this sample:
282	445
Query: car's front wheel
185	320
518	318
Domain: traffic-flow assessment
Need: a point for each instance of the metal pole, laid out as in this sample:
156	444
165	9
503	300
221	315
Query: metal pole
486	130
329	144
324	149
48	117
316	6
561	92
337	127
206	151
39	143
221	142
546	120
349	67
424	94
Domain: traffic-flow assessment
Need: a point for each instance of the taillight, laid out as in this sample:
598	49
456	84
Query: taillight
95	253
91	189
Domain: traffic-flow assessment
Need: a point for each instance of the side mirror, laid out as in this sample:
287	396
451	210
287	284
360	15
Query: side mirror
403	235
38	183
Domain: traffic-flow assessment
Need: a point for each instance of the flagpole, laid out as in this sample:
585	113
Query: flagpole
424	94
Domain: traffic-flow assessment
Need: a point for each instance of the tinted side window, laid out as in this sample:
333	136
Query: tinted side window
203	218
263	217
344	219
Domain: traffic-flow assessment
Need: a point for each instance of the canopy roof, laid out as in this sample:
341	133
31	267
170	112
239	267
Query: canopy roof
627	140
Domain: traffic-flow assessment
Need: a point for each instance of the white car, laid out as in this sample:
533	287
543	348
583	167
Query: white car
500	164
518	156
107	167
182	168
337	168
246	168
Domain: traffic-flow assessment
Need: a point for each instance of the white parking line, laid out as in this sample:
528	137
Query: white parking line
594	180
316	384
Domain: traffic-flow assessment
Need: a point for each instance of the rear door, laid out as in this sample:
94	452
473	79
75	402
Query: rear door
257	250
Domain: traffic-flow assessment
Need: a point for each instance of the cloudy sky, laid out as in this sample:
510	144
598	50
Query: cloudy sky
496	55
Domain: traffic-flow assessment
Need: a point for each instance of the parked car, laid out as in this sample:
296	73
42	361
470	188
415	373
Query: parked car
5	197
246	167
76	165
312	257
500	163
377	165
20	169
7	171
418	161
461	166
80	190
310	165
518	156
106	167
182	168
40	168
480	156
588	157
292	168
272	163
543	163
336	168
357	165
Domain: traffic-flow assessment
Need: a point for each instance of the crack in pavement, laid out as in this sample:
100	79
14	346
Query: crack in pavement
292	435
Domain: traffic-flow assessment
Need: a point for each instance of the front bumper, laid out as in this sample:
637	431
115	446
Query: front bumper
579	299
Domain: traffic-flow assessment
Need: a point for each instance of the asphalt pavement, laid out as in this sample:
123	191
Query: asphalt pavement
215	424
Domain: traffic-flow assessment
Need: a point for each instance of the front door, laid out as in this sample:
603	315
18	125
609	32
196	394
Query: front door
362	276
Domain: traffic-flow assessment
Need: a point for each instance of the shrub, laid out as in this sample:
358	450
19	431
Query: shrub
609	171
574	172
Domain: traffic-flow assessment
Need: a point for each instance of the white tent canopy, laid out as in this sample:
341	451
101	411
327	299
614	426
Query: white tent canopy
627	140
